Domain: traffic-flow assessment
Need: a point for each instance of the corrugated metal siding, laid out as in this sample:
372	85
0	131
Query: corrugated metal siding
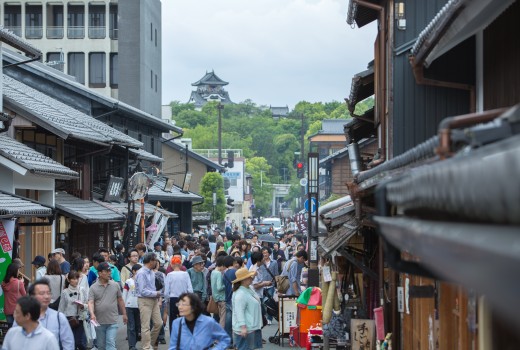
501	57
417	110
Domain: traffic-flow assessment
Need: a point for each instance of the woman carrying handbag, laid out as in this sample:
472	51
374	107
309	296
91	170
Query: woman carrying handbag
73	303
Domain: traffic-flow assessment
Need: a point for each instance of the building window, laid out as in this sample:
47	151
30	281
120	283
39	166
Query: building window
152	146
151	31
113	24
96	22
155	82
76	66
55	60
151	79
156	38
33	22
76	21
55	22
13	18
97	69
114	70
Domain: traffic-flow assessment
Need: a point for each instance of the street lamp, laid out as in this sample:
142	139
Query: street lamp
312	223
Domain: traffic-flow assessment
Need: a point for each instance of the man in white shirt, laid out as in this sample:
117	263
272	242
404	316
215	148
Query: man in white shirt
29	334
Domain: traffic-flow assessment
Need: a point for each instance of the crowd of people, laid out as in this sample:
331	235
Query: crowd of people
205	288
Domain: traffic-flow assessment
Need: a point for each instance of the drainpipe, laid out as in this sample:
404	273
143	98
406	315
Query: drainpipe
447	124
355	158
380	73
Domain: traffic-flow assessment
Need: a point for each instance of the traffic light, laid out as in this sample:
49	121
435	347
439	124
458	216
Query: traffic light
230	202
230	159
300	170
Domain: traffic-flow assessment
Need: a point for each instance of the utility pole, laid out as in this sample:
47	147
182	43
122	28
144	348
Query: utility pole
302	150
220	107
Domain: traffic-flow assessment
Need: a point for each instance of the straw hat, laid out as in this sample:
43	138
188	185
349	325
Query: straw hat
242	274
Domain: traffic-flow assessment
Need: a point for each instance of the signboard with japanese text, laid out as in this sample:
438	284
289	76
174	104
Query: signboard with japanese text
287	313
362	334
6	242
114	189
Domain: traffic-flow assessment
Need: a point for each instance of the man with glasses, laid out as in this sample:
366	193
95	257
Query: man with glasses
104	297
54	321
148	298
126	271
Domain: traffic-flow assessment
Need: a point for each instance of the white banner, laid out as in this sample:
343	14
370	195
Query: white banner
156	228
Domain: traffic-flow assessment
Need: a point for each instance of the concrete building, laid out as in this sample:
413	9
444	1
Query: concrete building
95	40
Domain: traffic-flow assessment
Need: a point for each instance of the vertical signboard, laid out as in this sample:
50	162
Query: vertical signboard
6	243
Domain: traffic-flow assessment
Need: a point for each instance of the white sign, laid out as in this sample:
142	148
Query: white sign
400	299
314	250
304	182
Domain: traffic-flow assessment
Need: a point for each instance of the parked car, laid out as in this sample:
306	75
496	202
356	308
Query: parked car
277	225
263	228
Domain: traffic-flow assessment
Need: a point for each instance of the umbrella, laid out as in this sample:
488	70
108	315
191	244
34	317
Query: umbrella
267	238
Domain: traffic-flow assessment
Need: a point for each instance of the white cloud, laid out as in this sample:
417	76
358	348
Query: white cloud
274	52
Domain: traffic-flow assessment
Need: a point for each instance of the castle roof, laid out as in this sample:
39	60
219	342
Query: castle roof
210	79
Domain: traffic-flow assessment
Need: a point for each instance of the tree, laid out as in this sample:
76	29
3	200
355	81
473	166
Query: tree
259	169
213	183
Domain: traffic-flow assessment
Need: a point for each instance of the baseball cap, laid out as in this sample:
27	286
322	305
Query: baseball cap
103	266
58	250
38	260
157	244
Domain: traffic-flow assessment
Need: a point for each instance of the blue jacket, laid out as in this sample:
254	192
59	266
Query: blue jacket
206	331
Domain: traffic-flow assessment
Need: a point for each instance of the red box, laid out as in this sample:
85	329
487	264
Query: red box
300	338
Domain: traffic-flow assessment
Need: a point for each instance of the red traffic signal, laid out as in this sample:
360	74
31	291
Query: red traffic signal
299	170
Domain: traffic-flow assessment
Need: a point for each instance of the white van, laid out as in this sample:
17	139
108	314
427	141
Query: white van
277	225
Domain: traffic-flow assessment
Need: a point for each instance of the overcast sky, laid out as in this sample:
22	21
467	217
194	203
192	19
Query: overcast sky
274	52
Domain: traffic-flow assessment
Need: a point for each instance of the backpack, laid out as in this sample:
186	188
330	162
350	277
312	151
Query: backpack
282	282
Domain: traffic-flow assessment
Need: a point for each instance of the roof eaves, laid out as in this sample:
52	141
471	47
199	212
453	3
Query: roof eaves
15	41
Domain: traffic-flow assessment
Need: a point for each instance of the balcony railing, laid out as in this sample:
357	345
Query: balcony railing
75	32
15	29
55	32
97	32
33	32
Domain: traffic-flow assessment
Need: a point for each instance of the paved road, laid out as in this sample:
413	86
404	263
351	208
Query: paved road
268	331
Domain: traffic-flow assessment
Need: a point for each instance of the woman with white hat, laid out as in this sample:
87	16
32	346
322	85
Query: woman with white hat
247	313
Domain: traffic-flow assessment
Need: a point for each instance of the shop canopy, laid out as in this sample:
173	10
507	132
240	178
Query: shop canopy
157	193
85	211
12	206
149	209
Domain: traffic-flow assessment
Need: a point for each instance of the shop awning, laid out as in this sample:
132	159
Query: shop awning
85	211
157	193
12	206
23	159
59	118
361	88
479	256
122	208
144	155
456	21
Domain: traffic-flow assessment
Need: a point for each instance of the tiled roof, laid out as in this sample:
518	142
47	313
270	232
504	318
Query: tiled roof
14	206
360	14
142	154
210	79
156	193
85	211
35	162
59	78
202	216
60	118
122	208
15	41
362	87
